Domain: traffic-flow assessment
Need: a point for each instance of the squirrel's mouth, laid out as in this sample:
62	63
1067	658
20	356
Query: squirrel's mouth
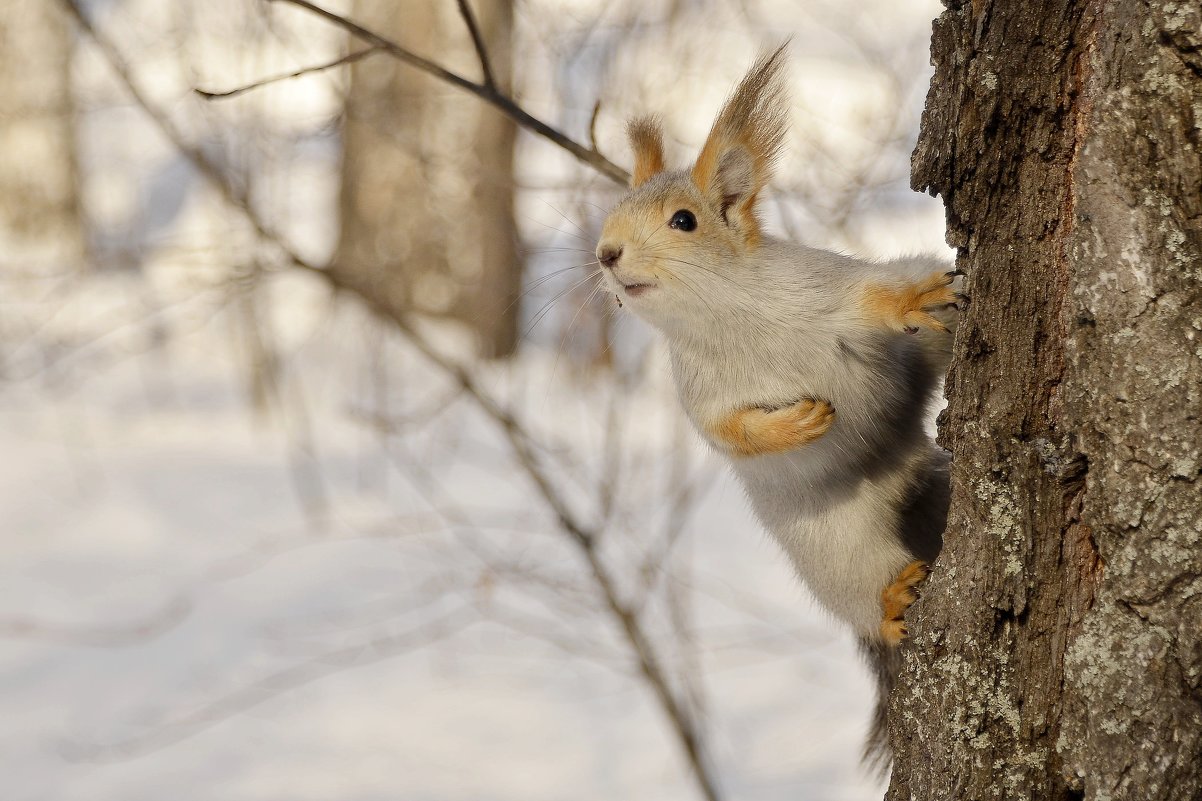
634	290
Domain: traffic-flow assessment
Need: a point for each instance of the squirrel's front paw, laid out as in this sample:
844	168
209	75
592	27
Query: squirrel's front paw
908	308
756	431
896	599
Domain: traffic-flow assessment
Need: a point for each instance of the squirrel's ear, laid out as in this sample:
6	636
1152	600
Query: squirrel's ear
734	182
736	160
647	141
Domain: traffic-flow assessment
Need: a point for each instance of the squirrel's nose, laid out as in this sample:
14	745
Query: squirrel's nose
608	255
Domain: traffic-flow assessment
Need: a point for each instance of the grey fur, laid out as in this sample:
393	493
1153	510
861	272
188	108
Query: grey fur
753	321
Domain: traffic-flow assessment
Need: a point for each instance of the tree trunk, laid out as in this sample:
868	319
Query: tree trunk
1057	650
427	181
39	188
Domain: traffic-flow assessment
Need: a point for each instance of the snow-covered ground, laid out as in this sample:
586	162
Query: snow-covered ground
183	617
349	590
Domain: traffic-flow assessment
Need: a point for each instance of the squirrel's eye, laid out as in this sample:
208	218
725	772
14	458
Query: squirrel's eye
683	220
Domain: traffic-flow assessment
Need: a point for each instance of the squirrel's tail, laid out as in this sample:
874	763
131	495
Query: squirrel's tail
884	662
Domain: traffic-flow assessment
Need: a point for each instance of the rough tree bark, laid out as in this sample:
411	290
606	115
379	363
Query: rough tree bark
427	179
1058	646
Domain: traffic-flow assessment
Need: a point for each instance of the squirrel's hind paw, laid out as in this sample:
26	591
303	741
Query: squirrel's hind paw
896	599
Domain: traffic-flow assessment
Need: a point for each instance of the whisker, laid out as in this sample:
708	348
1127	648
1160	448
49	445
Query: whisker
555	249
692	289
568	220
586	240
572	322
538	282
710	270
567	332
653	233
599	218
542	279
618	322
538	317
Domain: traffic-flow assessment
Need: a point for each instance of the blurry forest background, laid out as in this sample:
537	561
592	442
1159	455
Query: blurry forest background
328	470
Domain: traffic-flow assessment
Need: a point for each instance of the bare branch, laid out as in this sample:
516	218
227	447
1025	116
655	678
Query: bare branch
488	93
199	159
469	19
349	58
623	612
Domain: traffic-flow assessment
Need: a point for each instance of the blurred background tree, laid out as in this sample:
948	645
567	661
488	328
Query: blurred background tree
40	215
427	199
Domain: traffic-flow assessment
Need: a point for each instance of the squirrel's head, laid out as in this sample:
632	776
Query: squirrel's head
675	247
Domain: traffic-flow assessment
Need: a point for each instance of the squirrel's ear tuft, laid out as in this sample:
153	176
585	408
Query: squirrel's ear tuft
736	160
647	141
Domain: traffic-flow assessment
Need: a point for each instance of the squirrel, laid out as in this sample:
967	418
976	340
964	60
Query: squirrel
811	371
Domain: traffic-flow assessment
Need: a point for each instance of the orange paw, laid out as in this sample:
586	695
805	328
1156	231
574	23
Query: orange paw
896	599
756	431
909	308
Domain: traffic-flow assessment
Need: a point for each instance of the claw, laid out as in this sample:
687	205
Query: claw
896	599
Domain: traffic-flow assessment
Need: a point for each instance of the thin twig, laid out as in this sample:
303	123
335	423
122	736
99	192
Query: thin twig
205	165
349	58
469	19
489	94
592	124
